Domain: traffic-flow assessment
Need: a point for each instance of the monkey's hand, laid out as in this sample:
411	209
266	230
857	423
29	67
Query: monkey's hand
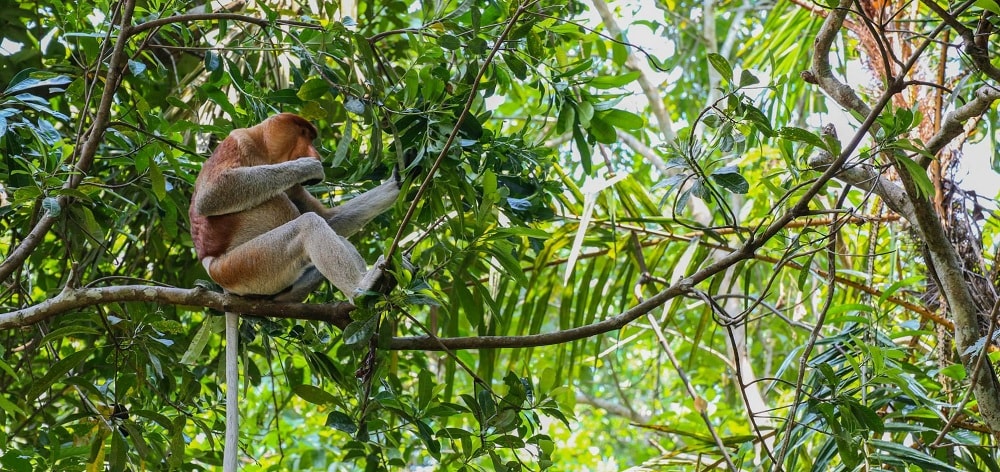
311	170
408	157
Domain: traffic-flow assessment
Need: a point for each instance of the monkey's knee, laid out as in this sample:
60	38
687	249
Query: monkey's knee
311	223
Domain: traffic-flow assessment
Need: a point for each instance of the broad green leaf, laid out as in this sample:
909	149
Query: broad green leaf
622	119
992	5
925	188
449	41
359	332
313	394
722	66
602	131
157	182
567	117
56	372
730	179
584	112
747	79
313	89
800	135
342	422
613	81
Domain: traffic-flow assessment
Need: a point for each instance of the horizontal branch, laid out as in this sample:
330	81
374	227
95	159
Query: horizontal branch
337	314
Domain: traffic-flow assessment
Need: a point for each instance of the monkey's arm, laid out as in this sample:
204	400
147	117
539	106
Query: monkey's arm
350	216
242	188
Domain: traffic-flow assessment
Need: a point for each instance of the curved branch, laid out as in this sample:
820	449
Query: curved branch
954	123
821	72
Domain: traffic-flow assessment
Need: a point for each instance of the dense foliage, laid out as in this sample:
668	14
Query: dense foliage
663	234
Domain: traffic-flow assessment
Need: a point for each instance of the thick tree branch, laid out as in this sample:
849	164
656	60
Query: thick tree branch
955	288
954	123
263	23
821	72
868	178
70	299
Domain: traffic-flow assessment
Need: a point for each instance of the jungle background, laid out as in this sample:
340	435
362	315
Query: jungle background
647	235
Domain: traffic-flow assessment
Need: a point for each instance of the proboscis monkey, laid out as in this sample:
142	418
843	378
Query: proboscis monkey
257	231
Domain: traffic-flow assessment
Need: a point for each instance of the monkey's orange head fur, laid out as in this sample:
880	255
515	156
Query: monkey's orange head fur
285	137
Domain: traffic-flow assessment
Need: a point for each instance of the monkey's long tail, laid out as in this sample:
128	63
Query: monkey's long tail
230	452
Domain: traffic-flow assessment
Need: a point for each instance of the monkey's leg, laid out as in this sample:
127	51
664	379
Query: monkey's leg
275	260
349	217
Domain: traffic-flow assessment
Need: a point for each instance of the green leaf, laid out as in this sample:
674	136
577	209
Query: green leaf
344	145
342	422
516	65
313	89
8	406
584	113
754	115
425	388
426	435
868	417
747	79
30	79
567	117
359	332
584	148
313	394
453	433
209	326
157	182
991	5
71	331
911	455
925	188
800	135
730	179
722	66
56	372
613	81
449	42
602	131
622	119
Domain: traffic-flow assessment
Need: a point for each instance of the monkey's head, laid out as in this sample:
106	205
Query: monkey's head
285	137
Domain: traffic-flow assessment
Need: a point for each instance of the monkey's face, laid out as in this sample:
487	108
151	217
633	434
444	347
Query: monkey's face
287	137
